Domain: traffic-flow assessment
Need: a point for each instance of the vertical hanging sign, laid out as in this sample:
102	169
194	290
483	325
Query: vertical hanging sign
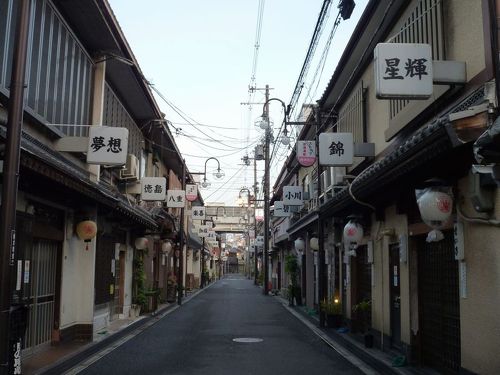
191	192
306	153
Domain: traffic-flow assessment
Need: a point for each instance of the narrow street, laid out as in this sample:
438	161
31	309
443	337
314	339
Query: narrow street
198	338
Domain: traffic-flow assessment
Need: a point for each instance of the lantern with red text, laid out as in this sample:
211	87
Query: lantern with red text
141	243
435	205
86	230
353	233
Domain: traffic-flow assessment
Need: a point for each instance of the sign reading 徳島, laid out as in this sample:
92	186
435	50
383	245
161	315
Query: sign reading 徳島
292	195
306	153
336	149
153	188
403	71
176	198
107	145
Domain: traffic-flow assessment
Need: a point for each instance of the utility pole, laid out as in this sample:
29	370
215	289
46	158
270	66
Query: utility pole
255	191
180	270
10	345
266	194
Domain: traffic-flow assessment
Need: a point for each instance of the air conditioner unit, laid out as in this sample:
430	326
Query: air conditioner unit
131	169
337	175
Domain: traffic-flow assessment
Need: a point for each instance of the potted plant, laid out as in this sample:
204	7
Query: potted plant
171	287
362	312
333	310
292	269
139	277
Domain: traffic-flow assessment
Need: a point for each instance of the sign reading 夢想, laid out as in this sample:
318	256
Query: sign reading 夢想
176	198
292	195
336	149
191	192
280	210
153	188
403	71
306	153
198	213
108	145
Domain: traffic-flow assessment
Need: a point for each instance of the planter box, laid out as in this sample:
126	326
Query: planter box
334	321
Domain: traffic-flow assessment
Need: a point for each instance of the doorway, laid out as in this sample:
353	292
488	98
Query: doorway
395	296
439	304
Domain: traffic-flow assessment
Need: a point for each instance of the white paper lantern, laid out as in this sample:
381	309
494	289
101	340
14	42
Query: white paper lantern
353	232
166	247
435	208
141	243
314	243
299	244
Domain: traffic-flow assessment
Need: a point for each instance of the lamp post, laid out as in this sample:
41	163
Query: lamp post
248	208
202	256
218	175
265	118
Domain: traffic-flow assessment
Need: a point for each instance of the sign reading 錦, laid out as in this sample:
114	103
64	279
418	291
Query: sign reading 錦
292	195
306	153
198	213
153	188
191	192
107	145
403	71
336	149
176	198
280	210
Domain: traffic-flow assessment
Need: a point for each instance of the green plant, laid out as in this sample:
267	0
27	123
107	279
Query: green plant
362	307
331	306
362	312
139	279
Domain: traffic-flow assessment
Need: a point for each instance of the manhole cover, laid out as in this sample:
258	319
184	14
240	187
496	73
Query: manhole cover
247	339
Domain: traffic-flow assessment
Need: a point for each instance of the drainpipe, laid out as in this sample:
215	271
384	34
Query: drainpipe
10	345
494	10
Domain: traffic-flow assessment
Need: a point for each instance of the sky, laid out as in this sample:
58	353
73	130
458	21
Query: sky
201	56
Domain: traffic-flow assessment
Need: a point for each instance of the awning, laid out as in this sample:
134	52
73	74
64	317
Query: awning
42	160
303	222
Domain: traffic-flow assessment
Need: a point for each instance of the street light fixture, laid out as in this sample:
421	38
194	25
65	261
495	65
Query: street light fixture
218	174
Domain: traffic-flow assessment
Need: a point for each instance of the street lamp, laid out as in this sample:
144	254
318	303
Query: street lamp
218	174
217	212
202	255
265	117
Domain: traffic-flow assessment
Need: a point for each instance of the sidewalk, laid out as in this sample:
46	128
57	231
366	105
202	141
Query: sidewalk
60	358
345	342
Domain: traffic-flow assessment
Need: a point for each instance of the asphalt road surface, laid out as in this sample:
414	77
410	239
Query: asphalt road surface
198	338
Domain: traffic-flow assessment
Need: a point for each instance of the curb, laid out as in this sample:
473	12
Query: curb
77	361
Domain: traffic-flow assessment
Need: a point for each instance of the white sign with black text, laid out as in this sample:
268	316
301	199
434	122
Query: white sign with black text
336	149
107	145
176	198
153	188
403	71
281	210
198	213
292	195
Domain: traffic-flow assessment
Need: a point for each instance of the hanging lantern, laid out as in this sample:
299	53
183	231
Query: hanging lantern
86	230
299	244
353	232
166	247
435	205
314	243
141	243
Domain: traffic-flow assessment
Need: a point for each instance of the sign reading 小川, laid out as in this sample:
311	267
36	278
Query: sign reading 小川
280	210
292	195
108	145
191	192
198	213
336	149
176	198
306	153
403	71
153	188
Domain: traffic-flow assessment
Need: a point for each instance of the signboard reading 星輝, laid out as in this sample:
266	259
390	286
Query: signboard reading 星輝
153	188
107	145
403	71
